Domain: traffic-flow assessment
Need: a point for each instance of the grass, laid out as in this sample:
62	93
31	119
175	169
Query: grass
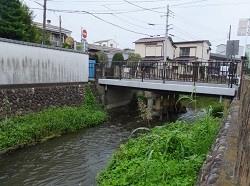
201	102
167	155
38	127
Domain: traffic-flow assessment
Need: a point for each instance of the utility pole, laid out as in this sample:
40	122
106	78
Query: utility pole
60	31
166	35
165	47
229	35
44	22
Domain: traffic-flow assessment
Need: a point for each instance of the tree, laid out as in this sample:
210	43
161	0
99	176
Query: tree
66	45
118	57
102	57
133	57
16	21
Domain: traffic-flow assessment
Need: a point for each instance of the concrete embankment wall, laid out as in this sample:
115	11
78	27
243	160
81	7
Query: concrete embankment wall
34	77
228	163
28	63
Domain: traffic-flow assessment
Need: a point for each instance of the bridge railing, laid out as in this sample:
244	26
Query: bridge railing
207	72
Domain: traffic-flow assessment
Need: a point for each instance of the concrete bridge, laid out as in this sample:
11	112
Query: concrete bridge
169	78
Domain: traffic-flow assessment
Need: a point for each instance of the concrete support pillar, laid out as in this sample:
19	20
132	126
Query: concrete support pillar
158	106
171	103
220	98
150	104
177	105
165	104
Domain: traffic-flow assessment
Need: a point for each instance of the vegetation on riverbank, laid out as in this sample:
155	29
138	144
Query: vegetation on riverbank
37	127
168	155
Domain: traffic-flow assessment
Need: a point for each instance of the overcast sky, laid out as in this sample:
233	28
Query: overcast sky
190	19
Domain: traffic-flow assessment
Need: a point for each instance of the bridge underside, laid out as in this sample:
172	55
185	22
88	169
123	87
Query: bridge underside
173	86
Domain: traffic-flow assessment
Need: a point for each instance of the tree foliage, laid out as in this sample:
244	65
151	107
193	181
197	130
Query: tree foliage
66	45
16	22
118	57
134	57
102	57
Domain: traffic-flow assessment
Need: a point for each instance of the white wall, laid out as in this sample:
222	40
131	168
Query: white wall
21	63
199	50
155	49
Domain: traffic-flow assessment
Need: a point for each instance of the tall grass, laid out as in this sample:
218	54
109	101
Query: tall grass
168	155
37	127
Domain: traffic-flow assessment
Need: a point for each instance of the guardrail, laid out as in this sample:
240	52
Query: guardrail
206	72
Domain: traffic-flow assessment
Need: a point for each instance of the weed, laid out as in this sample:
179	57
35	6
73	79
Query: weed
38	127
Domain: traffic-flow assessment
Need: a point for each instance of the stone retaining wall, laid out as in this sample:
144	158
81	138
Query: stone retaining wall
228	163
218	168
18	100
242	168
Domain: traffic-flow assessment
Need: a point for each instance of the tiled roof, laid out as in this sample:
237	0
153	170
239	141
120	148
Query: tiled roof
104	41
149	40
221	57
53	28
103	48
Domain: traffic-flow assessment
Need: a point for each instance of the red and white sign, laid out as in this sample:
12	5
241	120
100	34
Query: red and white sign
84	34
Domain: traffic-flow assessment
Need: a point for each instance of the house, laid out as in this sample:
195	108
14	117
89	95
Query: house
55	33
191	51
152	49
107	43
222	48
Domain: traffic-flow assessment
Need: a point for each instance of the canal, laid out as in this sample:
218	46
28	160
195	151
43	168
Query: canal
74	158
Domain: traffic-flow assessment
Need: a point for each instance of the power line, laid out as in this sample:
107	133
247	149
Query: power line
142	7
185	33
140	33
188	3
197	25
132	23
222	4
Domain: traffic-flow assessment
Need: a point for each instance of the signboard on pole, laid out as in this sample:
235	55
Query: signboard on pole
232	47
243	29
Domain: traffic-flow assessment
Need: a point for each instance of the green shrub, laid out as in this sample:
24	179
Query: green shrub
168	155
37	127
217	110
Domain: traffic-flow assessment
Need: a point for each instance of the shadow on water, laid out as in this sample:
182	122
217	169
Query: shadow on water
74	158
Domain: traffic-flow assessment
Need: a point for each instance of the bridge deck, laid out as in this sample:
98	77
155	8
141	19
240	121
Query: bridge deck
174	86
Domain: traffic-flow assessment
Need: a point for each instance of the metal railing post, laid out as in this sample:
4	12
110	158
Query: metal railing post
164	72
120	71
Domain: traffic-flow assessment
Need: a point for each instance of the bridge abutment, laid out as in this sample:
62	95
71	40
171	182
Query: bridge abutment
117	96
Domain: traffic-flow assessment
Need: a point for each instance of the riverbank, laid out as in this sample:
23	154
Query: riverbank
34	128
167	155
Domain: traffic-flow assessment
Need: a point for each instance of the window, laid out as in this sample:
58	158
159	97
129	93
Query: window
111	45
184	51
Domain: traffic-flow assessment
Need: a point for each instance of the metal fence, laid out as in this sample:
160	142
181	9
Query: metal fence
206	72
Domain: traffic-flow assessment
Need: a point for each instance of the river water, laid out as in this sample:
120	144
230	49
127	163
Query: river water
72	159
